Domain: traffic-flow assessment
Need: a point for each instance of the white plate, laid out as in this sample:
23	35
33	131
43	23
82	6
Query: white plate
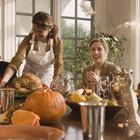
9	132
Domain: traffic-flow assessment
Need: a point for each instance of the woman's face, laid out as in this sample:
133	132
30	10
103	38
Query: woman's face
40	34
97	52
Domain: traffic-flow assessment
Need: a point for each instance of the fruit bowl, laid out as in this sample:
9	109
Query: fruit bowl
110	111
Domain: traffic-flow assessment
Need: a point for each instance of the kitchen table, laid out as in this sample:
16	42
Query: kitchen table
71	125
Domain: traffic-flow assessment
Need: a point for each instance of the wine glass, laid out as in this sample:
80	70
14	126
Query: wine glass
104	86
95	87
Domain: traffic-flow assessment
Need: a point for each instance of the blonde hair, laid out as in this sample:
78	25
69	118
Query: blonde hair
101	40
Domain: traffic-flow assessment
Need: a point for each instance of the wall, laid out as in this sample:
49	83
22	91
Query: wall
135	41
110	14
1	28
7	29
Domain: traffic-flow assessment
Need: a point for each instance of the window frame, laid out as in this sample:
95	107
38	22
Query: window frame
76	76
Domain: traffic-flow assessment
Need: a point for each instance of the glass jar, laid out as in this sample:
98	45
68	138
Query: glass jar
65	84
115	85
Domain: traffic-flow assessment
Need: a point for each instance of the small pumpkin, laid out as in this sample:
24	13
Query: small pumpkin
49	105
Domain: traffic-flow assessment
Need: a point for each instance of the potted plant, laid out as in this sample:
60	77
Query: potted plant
115	45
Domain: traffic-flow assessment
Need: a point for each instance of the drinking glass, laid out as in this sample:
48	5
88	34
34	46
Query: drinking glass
93	120
6	99
104	86
95	87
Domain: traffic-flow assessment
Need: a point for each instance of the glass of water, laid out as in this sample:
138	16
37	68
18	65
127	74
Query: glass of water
104	86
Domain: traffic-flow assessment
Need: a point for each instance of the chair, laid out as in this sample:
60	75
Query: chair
3	66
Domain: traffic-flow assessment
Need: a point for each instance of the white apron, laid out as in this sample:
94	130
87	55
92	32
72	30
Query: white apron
41	63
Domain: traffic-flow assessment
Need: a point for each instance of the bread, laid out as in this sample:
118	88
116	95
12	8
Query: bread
28	82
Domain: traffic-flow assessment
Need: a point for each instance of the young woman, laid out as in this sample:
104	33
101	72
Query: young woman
42	51
98	51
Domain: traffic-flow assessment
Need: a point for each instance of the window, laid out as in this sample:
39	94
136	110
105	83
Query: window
75	26
24	13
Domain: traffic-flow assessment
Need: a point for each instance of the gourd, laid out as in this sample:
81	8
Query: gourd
24	117
49	105
5	118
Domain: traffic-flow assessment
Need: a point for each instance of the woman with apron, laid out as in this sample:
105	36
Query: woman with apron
42	51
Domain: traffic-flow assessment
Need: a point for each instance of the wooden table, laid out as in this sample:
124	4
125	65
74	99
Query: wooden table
71	125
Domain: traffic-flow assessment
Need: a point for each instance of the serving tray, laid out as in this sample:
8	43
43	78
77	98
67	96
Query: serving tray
30	132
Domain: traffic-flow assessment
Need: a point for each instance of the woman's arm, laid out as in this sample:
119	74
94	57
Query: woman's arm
21	53
58	53
7	75
58	64
16	61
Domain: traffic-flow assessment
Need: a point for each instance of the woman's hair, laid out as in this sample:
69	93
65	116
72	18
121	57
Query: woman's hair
99	39
44	21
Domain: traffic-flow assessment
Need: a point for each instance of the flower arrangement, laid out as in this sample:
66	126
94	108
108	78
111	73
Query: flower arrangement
86	8
82	58
115	43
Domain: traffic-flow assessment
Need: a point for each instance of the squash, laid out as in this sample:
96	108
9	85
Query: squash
24	117
49	105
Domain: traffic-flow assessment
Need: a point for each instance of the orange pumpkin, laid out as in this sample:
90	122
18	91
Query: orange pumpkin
49	105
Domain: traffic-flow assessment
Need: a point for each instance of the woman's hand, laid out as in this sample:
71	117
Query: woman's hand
2	84
53	85
7	75
92	77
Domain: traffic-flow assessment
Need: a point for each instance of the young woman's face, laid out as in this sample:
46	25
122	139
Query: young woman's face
40	34
97	52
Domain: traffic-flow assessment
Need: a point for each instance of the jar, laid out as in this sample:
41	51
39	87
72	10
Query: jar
115	85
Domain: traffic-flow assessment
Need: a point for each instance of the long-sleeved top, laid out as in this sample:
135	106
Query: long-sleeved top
106	70
25	46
